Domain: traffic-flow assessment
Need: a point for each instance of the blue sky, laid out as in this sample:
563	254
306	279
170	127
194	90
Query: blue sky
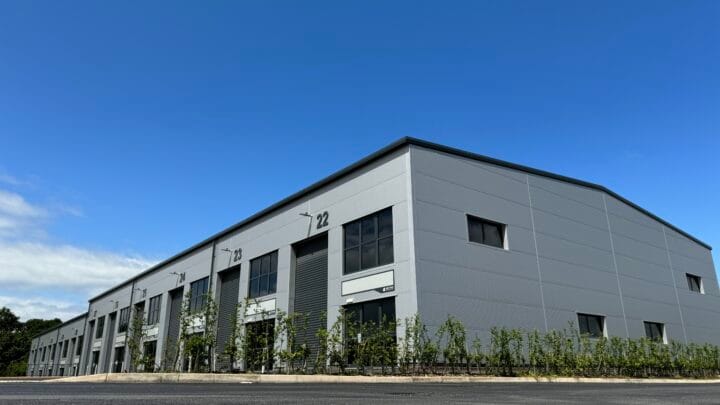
129	131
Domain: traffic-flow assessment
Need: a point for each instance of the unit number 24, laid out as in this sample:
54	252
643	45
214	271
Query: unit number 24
322	220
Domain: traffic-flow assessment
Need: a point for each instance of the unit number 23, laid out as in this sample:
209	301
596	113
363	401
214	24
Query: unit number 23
322	220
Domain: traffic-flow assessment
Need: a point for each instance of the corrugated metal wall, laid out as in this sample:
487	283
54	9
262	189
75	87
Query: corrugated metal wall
229	289
110	332
176	297
311	287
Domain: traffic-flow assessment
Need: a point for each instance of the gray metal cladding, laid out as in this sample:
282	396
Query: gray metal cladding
86	358
108	345
595	254
229	290
311	287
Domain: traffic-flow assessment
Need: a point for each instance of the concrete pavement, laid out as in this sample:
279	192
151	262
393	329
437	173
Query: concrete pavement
199	378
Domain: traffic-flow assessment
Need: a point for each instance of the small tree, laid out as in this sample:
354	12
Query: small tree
197	332
287	331
136	333
337	347
452	333
233	346
321	356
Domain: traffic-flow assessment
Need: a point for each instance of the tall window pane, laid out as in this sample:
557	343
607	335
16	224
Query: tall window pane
368	242
263	275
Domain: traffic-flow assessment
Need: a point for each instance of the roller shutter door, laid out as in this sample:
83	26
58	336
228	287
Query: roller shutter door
311	281
176	298
229	289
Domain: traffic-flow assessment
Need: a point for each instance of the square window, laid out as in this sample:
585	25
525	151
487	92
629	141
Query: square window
694	283
655	331
487	232
198	294
591	325
263	275
368	242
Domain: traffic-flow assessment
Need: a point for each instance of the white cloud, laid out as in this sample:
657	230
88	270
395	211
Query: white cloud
42	308
14	205
29	265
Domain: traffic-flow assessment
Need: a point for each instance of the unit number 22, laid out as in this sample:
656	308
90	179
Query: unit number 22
322	220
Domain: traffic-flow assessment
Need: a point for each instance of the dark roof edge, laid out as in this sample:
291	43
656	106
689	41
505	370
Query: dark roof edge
59	326
288	200
498	162
372	158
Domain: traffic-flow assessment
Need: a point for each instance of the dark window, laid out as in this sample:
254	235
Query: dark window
198	294
260	345
486	232
149	353
367	317
100	328
44	351
154	310
654	331
591	325
78	349
263	275
65	348
694	283
368	242
124	320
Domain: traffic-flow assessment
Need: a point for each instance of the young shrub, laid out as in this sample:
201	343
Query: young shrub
321	355
476	356
452	334
600	357
336	342
500	358
536	353
136	333
617	351
233	347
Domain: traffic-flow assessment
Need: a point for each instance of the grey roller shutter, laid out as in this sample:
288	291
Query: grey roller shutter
229	290
311	281
171	349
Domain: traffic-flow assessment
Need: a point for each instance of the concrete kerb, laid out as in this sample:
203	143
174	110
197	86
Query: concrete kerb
192	378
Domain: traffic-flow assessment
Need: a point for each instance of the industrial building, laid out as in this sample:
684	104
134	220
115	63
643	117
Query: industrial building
420	228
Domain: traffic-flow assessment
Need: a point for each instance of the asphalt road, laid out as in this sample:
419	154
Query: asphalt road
500	393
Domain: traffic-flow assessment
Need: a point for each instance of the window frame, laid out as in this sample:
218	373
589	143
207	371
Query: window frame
153	317
256	275
124	319
78	347
100	327
374	242
484	221
587	324
65	348
661	326
198	300
693	277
